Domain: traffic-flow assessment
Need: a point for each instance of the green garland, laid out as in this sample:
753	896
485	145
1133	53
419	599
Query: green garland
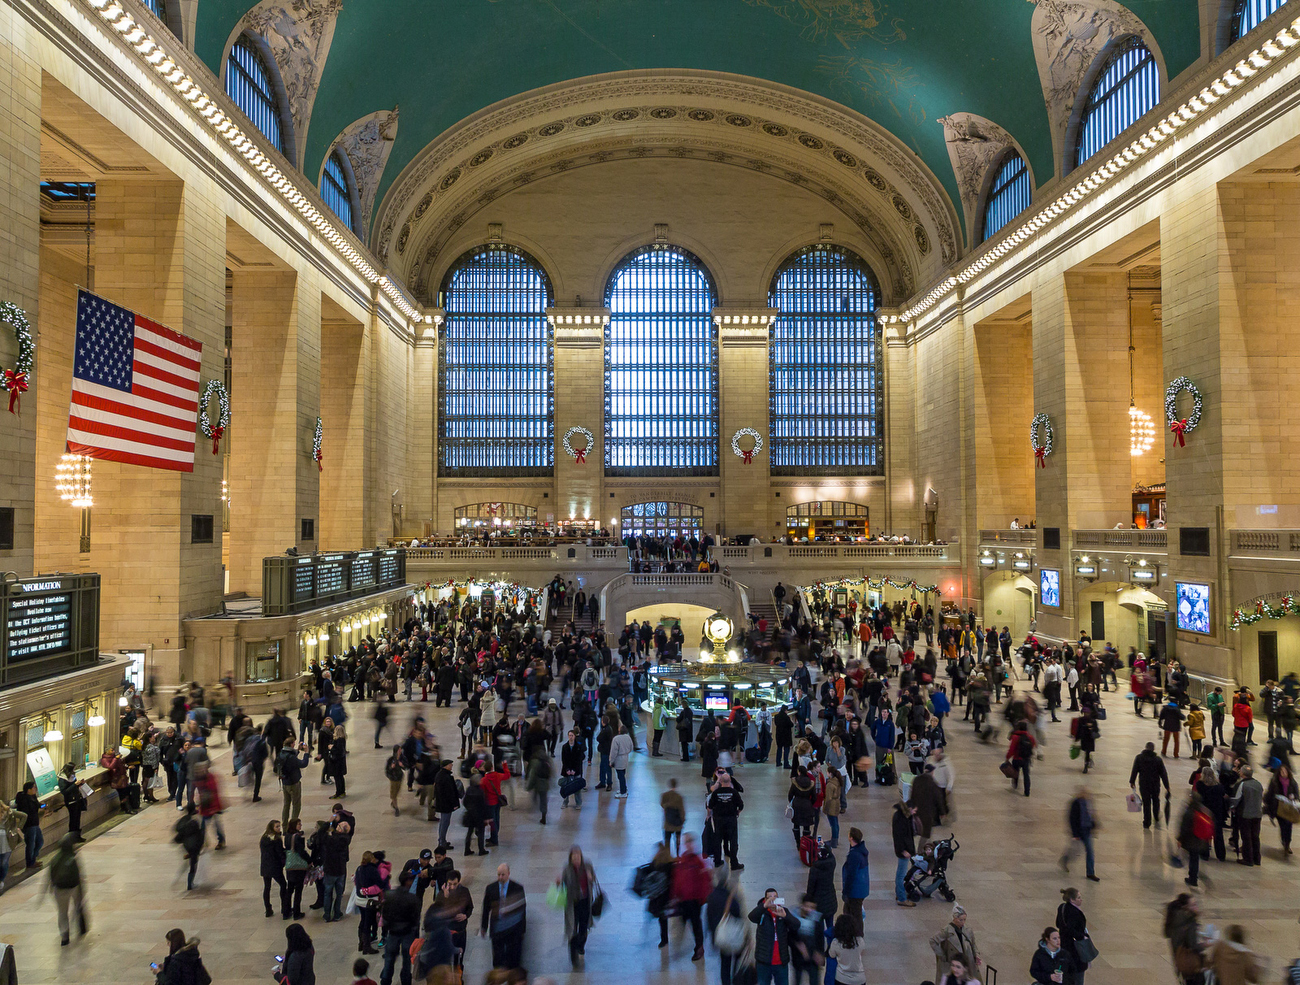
18	379
1241	617
877	584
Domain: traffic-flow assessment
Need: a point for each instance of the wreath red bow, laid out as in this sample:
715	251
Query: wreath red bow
1040	453
1179	428
15	383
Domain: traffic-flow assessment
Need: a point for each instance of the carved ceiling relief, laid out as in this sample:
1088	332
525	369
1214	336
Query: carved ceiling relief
299	34
1068	35
974	145
522	121
367	143
876	225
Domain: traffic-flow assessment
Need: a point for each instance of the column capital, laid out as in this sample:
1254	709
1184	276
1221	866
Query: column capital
744	324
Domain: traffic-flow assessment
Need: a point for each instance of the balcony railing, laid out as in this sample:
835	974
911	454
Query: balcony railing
1122	540
1020	537
770	553
1265	543
560	552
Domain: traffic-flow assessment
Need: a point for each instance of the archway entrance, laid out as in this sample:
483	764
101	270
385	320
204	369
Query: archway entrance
827	520
662	520
1009	601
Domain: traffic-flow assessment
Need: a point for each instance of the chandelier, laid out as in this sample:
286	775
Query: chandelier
72	481
1141	431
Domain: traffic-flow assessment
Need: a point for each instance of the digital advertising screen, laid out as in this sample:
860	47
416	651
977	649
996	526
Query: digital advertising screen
1049	587
716	702
1193	603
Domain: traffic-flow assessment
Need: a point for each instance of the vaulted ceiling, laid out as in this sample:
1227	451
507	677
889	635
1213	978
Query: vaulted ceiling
905	64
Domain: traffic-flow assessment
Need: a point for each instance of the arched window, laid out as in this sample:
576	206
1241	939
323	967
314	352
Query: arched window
661	520
826	392
661	366
1126	88
158	8
1010	194
249	84
1250	13
494	367
338	187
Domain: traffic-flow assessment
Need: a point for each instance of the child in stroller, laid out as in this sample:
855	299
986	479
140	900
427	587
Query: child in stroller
928	873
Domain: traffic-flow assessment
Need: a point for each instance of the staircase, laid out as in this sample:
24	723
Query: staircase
765	610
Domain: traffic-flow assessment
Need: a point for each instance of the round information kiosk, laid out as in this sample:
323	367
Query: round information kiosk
720	680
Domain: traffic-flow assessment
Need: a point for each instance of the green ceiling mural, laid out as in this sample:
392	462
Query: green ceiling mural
903	63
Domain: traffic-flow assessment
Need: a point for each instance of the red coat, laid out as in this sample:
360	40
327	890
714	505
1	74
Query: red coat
491	784
1242	716
691	878
207	795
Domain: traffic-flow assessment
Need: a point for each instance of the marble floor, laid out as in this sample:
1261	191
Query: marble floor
1005	874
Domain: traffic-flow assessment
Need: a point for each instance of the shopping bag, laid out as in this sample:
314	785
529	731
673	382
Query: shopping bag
86	790
557	897
1074	751
1133	802
353	902
157	783
1007	769
246	777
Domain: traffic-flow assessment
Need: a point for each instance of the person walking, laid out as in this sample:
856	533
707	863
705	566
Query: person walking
775	927
505	919
273	855
338	761
927	800
1171	722
1147	775
11	828
689	885
1280	803
1249	800
394	773
1073	928
537	778
290	765
847	952
400	911
783	726
1196	728
1020	753
189	835
299	964
1082	822
674	809
208	796
476	813
571	770
955	941
1233	962
620	750
904	835
446	798
1182	930
581	895
66	883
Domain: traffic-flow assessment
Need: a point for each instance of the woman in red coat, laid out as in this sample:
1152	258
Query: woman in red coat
208	796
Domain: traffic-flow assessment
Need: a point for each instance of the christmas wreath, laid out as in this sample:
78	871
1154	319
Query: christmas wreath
214	388
1182	425
18	379
1042	448
579	453
316	446
746	455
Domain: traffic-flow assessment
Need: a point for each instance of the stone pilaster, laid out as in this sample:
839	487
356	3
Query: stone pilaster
579	349
743	371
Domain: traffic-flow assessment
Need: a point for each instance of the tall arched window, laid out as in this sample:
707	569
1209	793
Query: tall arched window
158	8
494	367
1010	194
1250	13
338	188
826	391
661	366
1126	88
249	84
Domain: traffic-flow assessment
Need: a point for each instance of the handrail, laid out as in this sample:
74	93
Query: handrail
1123	539
1279	543
1019	536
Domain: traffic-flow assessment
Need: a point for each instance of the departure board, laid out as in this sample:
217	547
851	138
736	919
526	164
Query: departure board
49	623
296	584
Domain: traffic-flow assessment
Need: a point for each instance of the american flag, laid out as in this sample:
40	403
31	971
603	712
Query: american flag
135	389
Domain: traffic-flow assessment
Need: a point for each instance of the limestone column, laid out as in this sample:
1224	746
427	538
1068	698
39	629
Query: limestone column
903	505
579	402
420	498
160	251
748	506
1080	359
275	362
344	393
20	148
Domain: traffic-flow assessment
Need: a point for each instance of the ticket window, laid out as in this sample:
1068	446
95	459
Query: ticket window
262	662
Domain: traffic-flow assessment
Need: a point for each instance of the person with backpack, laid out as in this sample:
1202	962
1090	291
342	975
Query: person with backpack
803	814
476	814
1020	753
674	809
66	883
394	773
189	835
537	778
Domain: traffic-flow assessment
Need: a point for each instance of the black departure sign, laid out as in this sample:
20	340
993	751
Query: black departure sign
50	623
297	584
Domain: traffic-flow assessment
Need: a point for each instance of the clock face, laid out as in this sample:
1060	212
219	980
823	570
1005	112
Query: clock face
718	628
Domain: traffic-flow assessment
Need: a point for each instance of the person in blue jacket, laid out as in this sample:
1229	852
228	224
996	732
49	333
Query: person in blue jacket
884	732
855	877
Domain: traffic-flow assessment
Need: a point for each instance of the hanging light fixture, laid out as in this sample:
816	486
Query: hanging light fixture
72	480
1141	429
95	721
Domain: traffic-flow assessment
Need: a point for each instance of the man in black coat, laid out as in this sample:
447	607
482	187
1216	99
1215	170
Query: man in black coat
1147	775
401	913
505	917
904	848
277	731
776	926
446	799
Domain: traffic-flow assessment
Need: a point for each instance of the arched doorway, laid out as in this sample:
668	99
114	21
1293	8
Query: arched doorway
1121	614
827	519
662	520
476	515
1009	601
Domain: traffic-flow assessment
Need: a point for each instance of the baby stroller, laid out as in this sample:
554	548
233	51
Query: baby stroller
928	873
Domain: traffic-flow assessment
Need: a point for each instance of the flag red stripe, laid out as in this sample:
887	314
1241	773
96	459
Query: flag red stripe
165	398
92	426
144	369
129	410
194	344
144	345
128	458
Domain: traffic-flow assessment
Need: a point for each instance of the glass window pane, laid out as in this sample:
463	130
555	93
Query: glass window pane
824	360
334	189
661	366
1127	87
248	83
1010	195
1250	13
495	370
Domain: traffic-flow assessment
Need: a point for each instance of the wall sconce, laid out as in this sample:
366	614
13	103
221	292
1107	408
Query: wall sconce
95	721
52	734
122	702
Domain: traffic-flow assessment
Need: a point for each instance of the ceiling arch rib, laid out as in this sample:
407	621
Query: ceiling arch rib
844	157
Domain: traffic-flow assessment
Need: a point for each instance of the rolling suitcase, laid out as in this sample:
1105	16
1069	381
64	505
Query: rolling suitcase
132	796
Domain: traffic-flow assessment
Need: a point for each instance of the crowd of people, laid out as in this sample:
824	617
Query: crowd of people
877	713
